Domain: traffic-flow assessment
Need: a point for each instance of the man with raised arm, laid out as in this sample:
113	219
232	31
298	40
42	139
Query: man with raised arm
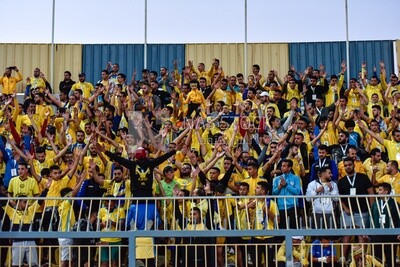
141	175
8	82
392	146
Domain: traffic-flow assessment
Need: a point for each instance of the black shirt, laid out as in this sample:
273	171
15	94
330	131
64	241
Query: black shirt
65	86
141	172
362	184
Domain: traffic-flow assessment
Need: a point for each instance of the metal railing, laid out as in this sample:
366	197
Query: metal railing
172	217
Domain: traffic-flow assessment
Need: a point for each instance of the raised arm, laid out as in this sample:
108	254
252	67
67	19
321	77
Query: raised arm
35	175
62	152
315	140
96	177
16	148
377	137
112	142
53	99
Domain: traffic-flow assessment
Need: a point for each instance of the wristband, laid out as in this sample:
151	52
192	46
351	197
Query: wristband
322	259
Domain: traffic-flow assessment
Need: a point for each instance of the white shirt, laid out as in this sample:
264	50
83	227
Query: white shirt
324	203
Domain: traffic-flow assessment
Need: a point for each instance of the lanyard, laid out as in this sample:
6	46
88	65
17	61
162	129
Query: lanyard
352	182
343	150
383	206
318	110
321	164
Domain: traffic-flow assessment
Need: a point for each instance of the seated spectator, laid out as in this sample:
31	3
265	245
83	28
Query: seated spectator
323	252
300	257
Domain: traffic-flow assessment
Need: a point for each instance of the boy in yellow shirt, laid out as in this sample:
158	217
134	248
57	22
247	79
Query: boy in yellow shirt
195	99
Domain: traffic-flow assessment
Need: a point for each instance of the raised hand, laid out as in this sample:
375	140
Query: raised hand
364	64
100	147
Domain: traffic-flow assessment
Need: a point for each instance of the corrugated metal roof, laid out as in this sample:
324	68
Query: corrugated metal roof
330	54
29	56
231	56
129	57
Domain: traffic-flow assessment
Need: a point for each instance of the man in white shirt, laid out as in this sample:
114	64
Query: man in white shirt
322	193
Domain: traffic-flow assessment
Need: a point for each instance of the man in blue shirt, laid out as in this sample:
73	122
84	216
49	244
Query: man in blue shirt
287	184
324	162
323	253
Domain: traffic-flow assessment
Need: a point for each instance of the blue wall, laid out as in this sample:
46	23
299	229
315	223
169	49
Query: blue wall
331	54
129	57
301	55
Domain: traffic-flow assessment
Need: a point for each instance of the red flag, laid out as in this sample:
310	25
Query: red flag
243	126
261	125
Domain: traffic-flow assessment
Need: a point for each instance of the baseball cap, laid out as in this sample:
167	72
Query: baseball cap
264	94
140	153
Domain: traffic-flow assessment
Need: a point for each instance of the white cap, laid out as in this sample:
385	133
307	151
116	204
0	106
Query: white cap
298	237
264	94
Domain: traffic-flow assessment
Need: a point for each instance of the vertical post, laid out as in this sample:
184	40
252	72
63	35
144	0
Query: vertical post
347	44
395	69
132	248
52	45
289	250
245	39
145	35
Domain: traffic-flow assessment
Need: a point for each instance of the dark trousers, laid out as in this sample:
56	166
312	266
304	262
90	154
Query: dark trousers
387	251
50	223
288	219
193	107
4	243
260	247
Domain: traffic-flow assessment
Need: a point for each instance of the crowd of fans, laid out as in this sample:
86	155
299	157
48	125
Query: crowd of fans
202	133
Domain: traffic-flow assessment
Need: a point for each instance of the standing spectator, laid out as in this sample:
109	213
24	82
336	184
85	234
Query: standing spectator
374	166
23	184
287	185
141	182
8	82
323	189
22	218
86	87
66	84
198	254
265	217
391	145
358	164
354	209
324	162
314	91
11	161
164	80
392	177
37	82
242	218
113	70
112	218
385	215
